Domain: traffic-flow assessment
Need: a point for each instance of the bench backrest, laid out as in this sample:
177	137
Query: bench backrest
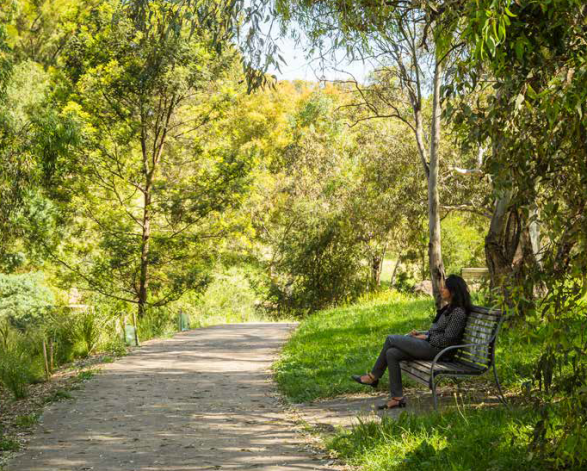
482	327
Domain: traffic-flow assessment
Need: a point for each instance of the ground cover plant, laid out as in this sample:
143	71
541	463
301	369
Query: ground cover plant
457	440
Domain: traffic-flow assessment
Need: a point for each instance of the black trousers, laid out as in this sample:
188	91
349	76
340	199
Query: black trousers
396	349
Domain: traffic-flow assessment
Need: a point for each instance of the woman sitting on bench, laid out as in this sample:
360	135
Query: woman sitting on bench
446	330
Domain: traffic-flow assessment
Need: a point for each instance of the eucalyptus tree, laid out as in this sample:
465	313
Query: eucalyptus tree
146	81
413	38
535	53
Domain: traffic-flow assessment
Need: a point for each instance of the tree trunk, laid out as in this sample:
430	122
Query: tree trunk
394	271
502	245
145	239
419	131
436	265
46	359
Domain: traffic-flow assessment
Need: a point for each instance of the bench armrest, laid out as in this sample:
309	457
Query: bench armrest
454	347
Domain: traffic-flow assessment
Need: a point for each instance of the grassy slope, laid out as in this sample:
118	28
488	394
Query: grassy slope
331	345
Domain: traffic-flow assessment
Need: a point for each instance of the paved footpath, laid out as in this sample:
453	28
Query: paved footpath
202	400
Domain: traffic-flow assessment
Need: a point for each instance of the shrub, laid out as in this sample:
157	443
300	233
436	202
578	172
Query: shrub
319	264
16	371
87	331
157	322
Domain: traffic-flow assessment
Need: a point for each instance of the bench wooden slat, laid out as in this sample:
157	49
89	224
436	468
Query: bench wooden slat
472	356
482	360
482	315
487	311
416	374
477	333
477	366
476	339
482	323
441	366
472	327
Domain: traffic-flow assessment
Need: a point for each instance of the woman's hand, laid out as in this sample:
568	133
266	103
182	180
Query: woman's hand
417	335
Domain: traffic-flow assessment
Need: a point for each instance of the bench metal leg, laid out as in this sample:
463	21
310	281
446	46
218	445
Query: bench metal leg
434	397
501	396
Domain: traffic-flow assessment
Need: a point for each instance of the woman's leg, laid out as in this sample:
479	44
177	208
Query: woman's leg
396	349
394	356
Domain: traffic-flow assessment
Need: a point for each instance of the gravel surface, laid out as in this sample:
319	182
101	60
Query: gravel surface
202	400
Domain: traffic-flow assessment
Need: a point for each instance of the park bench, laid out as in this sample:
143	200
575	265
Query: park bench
474	355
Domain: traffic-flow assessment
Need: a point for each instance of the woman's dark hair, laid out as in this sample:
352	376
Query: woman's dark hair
459	292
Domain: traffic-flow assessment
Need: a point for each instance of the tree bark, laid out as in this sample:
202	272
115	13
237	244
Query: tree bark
503	246
45	357
436	264
146	229
392	283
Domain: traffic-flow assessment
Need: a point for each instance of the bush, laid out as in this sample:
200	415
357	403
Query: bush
230	298
157	322
88	326
16	371
320	264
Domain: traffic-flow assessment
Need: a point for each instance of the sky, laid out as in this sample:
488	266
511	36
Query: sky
299	67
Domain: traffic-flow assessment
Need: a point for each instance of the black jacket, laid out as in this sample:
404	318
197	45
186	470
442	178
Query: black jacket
448	326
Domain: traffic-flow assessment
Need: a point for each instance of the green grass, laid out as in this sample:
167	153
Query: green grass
58	395
490	439
86	375
331	345
7	444
26	421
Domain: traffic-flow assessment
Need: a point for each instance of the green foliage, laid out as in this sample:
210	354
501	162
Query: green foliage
24	299
8	444
27	421
85	375
87	332
157	322
16	370
533	114
229	298
59	395
322	264
462	243
147	97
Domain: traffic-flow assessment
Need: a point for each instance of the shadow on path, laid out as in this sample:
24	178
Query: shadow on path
202	400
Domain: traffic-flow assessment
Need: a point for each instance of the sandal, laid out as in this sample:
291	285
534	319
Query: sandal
393	403
373	384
